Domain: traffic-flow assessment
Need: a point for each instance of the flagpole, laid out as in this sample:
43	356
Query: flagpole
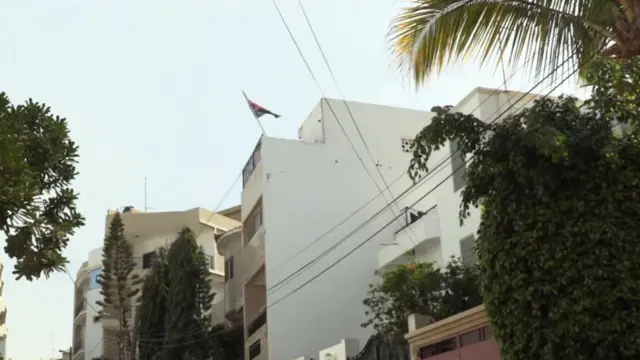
254	115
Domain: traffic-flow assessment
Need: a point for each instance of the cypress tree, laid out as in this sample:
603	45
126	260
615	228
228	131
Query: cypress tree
118	282
150	330
187	319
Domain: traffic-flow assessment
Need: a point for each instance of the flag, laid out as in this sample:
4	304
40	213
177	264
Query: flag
259	111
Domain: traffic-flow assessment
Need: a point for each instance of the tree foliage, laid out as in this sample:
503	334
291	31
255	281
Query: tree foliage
118	281
37	204
150	324
419	288
558	240
550	34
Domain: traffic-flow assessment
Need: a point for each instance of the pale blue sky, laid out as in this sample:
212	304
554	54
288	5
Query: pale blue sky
153	88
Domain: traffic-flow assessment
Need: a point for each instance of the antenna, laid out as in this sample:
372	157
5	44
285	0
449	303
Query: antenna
145	194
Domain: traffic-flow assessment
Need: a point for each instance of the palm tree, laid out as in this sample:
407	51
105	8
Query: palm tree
429	34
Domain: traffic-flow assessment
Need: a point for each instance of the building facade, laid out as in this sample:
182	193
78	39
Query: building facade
321	213
464	336
3	317
95	328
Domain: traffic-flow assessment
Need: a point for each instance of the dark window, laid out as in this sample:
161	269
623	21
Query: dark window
437	348
228	268
458	166
97	319
468	250
253	222
251	164
147	259
475	336
255	349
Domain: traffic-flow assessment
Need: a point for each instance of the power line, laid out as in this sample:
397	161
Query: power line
436	170
420	199
355	150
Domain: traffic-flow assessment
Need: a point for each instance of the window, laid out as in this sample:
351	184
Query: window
437	348
228	269
458	165
255	349
97	319
253	222
475	336
147	259
468	250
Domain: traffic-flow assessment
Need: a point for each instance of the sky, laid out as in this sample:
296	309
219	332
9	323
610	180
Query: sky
154	89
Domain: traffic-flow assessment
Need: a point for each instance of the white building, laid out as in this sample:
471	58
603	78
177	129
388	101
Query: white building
294	191
3	318
93	335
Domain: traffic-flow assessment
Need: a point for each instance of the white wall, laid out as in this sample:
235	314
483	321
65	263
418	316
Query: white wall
93	331
309	187
3	348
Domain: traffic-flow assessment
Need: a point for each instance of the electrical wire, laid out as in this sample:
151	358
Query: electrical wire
434	171
353	147
422	197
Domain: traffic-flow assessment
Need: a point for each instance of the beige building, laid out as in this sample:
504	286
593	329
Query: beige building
94	333
3	318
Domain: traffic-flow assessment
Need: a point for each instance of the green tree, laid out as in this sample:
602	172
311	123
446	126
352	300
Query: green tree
188	316
37	204
419	288
118	282
150	318
558	240
429	34
227	341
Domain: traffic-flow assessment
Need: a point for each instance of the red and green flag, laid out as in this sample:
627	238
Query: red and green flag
259	111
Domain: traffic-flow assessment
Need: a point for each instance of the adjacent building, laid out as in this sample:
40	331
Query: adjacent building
94	332
3	317
321	213
464	336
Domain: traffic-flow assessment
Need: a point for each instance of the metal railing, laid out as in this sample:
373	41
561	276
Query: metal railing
411	216
81	307
78	345
251	164
140	263
258	321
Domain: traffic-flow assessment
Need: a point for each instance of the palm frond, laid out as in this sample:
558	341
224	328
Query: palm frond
430	34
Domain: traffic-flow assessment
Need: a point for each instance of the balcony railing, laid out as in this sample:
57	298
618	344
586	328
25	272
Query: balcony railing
253	161
411	216
142	264
78	346
257	322
81	307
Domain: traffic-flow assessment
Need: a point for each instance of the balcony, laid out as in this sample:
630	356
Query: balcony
422	227
233	299
253	256
256	344
80	313
144	264
257	322
78	349
251	164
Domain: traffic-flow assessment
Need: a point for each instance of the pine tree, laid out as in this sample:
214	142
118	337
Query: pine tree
150	330
118	283
188	319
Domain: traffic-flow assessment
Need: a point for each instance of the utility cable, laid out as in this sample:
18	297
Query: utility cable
434	171
422	197
315	79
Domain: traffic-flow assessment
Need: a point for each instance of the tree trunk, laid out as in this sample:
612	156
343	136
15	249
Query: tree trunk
626	15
